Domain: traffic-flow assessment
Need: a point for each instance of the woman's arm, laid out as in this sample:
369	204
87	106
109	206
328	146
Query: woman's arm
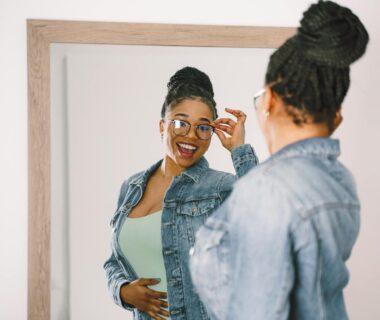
116	278
127	291
130	293
232	136
244	159
115	275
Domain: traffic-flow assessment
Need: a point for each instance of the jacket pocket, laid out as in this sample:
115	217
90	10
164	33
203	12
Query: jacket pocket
198	207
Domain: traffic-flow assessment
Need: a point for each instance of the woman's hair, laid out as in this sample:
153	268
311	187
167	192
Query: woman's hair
310	71
189	84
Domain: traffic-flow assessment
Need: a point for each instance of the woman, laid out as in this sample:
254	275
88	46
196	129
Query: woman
277	247
160	209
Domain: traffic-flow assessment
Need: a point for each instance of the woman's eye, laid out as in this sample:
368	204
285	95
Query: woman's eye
204	127
179	124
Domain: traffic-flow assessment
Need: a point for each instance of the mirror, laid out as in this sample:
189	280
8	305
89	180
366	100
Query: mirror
105	111
95	94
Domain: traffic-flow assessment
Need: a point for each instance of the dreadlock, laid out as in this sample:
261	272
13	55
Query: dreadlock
189	83
311	71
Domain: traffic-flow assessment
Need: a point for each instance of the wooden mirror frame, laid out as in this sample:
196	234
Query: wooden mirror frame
42	33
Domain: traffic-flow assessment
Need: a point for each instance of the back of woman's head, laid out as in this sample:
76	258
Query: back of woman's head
189	83
310	71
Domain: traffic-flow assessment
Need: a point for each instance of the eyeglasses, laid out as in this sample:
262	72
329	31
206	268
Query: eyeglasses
256	98
181	128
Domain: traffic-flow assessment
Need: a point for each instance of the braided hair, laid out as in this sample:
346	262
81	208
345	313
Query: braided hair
189	84
310	71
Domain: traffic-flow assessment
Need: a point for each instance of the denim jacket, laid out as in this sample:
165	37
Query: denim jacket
277	248
190	199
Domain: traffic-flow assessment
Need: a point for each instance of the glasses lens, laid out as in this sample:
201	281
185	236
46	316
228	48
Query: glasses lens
180	127
255	101
205	131
256	98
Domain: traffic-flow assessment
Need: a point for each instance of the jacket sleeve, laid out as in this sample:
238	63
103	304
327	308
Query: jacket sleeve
245	245
116	278
115	275
259	225
244	159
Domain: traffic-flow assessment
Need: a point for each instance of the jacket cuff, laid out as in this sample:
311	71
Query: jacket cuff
117	297
244	158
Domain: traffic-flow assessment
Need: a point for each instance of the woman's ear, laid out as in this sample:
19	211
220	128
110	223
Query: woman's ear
162	127
338	118
268	101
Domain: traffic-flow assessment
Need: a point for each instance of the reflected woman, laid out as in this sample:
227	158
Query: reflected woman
160	209
277	248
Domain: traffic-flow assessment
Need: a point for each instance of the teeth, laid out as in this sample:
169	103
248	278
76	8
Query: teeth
187	146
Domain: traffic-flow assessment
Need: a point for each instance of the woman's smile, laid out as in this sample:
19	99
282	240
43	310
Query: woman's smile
186	149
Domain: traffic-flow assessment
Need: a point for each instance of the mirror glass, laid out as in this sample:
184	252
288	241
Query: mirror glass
105	110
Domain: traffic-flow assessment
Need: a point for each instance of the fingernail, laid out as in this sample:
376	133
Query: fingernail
158	279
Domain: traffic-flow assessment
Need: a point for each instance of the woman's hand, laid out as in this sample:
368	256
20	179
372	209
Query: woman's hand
234	129
147	300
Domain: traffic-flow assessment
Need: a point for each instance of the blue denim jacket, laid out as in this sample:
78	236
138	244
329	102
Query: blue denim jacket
276	249
190	199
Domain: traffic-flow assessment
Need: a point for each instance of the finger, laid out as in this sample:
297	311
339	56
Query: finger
156	302
157	294
153	315
240	115
228	121
163	312
158	311
222	137
147	281
226	129
225	121
235	112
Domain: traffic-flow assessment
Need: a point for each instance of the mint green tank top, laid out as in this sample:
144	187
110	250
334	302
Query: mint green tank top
140	242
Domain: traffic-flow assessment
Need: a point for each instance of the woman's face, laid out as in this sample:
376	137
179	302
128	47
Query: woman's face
186	150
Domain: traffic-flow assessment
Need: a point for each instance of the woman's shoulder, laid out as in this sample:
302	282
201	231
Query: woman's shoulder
134	177
126	183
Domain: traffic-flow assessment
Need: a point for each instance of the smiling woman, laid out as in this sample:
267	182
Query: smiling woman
182	180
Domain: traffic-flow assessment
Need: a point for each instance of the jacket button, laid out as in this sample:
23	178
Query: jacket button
168	252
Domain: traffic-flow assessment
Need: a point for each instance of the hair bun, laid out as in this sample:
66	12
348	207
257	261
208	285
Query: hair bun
190	75
331	35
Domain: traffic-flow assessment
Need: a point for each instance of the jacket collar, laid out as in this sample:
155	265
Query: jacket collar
142	178
197	170
194	172
322	147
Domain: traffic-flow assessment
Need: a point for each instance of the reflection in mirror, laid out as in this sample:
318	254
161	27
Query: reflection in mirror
105	112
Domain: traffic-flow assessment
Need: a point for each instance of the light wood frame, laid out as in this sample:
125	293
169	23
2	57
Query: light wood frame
42	33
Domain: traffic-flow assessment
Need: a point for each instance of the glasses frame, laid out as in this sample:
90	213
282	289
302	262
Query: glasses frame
189	128
257	96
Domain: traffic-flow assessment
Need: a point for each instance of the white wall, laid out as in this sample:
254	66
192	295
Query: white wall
359	131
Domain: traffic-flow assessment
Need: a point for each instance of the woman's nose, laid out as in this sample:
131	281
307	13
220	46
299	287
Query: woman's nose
192	133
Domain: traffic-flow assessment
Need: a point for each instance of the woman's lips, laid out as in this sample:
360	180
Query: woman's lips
186	150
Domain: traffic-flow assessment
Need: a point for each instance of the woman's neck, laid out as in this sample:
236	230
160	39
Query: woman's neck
283	135
169	168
